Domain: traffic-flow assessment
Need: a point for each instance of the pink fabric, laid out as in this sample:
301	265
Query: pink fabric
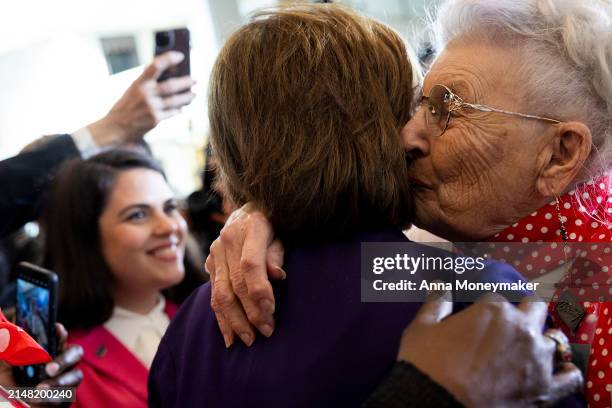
112	375
587	213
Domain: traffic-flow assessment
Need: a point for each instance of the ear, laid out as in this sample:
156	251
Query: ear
566	152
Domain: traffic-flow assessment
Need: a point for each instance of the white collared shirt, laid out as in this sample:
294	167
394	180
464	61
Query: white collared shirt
140	334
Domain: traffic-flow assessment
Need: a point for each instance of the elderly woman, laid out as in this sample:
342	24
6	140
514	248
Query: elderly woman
511	142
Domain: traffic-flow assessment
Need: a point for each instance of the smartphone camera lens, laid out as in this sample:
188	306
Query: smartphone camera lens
162	39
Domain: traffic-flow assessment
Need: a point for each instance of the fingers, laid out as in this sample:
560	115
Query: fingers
274	261
246	259
177	101
165	114
249	307
70	379
436	308
567	381
209	265
535	310
254	270
62	336
233	318
224	326
161	63
226	329
223	301
236	215
241	289
491	297
239	270
174	86
253	259
276	272
167	98
548	348
64	361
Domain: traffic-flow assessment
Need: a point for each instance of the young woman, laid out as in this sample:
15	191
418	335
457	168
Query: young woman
117	240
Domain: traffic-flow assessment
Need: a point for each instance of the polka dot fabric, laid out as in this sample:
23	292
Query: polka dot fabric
587	216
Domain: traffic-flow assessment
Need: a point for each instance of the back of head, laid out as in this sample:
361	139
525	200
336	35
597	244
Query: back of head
306	104
77	199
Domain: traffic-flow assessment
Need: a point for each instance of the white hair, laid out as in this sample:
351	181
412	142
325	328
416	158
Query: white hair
567	46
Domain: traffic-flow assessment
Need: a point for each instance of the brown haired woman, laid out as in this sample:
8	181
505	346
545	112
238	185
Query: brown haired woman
306	105
116	239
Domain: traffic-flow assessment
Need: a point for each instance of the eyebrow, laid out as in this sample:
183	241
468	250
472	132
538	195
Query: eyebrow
458	85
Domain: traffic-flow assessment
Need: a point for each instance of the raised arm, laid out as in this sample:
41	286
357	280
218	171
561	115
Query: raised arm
146	102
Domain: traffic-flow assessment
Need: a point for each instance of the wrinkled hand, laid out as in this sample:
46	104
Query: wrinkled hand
240	263
490	354
144	104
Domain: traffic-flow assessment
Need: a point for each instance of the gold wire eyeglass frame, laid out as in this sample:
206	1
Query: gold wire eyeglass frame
455	103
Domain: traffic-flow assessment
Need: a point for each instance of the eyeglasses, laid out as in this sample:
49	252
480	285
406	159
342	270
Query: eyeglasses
442	102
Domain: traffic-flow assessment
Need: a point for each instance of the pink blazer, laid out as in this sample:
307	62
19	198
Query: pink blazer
112	375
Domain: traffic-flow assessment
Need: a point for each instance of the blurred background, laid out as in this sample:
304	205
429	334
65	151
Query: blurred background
63	63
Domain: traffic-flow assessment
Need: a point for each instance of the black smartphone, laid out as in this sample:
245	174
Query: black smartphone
174	40
36	310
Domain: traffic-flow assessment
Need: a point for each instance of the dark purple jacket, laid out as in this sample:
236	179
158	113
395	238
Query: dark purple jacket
328	350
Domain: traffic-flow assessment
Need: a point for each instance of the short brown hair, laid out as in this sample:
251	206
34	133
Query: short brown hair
306	103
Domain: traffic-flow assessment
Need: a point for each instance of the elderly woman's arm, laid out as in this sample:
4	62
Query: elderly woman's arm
240	264
443	361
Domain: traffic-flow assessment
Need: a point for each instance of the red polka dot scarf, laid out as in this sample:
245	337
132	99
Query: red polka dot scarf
587	216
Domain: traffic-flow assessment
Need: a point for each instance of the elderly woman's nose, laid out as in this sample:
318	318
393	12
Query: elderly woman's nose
415	138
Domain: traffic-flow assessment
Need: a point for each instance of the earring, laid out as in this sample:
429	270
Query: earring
561	221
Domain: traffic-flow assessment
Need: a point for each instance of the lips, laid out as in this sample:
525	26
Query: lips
168	252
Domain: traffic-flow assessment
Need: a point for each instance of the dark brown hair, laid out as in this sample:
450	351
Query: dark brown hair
72	236
306	103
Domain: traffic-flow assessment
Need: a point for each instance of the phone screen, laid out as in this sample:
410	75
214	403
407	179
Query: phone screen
33	305
33	311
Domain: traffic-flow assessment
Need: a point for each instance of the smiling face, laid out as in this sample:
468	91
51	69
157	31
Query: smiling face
142	234
480	175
